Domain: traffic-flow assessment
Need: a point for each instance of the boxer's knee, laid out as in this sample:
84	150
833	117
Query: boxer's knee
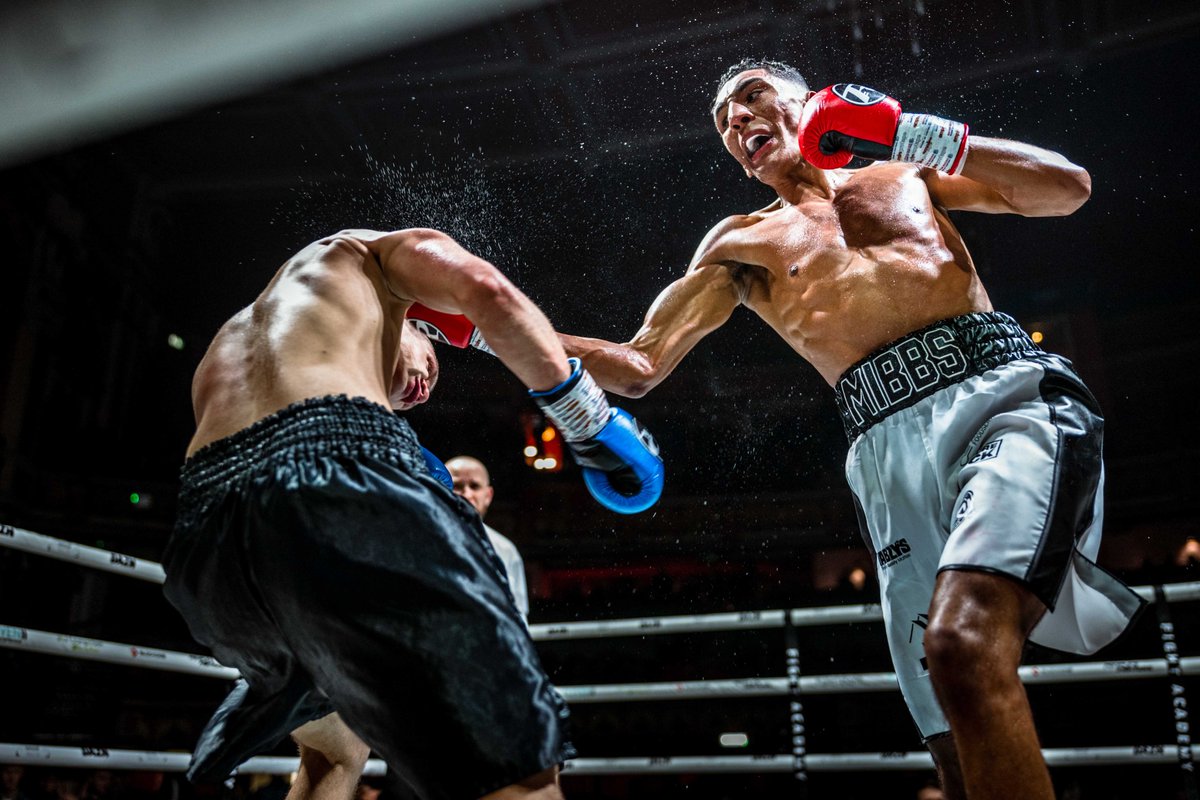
976	634
957	652
328	743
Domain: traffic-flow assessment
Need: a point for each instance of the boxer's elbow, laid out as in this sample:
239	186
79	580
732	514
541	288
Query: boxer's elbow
641	375
1075	187
1062	192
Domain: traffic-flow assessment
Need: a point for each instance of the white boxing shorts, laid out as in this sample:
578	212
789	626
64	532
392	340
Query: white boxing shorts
973	449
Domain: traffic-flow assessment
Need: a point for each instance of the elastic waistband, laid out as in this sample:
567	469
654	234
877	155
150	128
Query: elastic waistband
335	425
918	364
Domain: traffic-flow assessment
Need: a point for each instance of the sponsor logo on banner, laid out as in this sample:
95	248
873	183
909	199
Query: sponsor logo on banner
123	560
7	530
10	634
78	645
138	652
894	553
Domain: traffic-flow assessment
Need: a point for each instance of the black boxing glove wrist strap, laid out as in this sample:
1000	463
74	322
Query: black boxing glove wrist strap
931	142
577	406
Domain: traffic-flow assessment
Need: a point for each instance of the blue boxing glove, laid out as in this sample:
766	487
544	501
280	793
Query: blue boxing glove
438	470
621	466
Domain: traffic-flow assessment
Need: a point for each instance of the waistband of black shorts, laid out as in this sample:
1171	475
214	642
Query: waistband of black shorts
330	426
904	372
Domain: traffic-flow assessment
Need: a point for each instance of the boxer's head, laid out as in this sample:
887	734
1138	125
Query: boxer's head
757	114
416	370
471	480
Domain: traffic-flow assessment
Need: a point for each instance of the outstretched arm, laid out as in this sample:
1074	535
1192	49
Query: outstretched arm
1006	177
687	310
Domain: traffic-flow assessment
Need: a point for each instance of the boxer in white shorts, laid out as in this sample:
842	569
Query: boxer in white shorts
967	422
844	265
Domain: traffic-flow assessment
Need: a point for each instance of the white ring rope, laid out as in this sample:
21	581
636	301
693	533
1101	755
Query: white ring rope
55	644
104	758
94	557
58	644
172	661
110	561
851	683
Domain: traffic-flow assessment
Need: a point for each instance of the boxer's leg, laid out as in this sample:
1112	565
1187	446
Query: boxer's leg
542	786
945	758
978	624
331	760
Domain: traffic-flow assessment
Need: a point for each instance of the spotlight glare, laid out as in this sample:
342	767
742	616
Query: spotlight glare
530	451
175	341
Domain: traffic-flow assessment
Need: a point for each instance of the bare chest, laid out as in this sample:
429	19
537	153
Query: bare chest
873	218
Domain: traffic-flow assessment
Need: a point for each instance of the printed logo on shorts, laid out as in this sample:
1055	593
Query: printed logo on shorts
6	530
857	94
988	451
122	560
894	553
964	508
910	368
921	622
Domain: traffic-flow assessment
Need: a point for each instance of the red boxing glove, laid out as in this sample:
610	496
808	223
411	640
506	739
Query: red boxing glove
848	119
453	329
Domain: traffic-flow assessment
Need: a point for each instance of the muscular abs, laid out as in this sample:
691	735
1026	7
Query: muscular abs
838	277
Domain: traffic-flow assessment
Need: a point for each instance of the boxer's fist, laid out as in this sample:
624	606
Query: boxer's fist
621	466
453	329
848	119
437	469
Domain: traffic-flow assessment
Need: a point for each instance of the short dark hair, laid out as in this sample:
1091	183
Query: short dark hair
777	69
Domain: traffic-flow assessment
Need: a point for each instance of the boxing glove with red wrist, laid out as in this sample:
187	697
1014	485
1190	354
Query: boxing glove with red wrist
848	119
452	329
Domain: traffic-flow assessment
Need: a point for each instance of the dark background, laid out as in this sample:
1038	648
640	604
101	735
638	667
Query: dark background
571	145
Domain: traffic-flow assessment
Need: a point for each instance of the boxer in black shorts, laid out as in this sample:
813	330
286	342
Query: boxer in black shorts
316	553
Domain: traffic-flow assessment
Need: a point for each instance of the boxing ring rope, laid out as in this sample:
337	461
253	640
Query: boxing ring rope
1171	665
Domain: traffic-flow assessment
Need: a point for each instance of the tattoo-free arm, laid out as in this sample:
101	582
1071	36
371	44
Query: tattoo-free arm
429	266
1006	177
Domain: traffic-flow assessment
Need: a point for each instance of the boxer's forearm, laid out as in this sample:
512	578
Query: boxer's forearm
519	334
617	368
1033	181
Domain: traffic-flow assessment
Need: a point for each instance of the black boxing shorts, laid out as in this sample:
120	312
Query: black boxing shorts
315	553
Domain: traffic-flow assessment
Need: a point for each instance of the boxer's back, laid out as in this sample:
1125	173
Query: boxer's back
325	324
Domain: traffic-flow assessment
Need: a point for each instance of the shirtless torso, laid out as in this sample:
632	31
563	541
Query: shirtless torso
325	324
837	277
841	264
844	261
